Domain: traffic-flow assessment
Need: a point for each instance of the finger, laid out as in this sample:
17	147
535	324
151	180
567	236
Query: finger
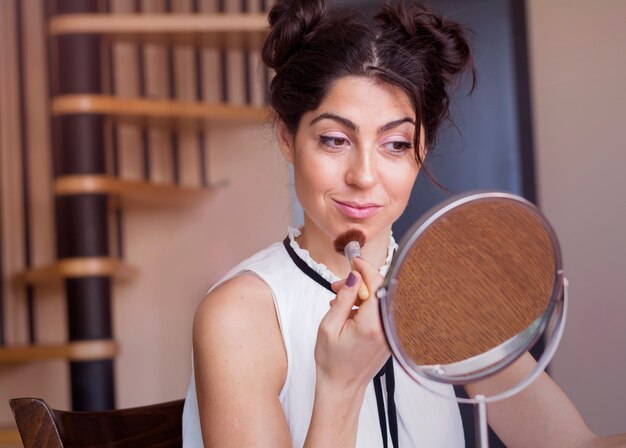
370	275
342	305
372	278
357	304
336	286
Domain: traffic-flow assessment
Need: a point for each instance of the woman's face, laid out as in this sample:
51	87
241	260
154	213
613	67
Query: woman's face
353	158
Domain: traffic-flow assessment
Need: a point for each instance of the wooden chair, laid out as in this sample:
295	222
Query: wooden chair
158	425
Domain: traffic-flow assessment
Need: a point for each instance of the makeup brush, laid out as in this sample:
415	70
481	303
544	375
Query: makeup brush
349	243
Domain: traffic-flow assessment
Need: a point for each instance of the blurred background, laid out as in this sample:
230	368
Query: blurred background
138	165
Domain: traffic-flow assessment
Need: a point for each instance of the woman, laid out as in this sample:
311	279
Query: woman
279	359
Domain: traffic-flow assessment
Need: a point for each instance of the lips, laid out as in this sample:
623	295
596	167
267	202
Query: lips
357	210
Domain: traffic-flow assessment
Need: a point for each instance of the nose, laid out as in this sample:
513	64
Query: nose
361	173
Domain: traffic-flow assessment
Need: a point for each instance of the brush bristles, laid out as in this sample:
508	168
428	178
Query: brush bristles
346	237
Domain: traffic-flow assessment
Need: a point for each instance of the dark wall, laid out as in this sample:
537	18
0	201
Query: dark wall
488	147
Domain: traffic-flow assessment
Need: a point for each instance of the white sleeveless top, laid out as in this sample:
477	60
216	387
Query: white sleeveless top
424	420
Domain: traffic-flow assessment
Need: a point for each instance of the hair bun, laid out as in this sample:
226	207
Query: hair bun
420	30
291	22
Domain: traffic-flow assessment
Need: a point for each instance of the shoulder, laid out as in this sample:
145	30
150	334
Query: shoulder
234	303
237	323
242	292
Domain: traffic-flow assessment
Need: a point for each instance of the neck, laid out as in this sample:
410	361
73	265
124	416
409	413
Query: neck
320	246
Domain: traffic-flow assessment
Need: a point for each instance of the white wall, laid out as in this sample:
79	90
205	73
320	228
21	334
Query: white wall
187	252
578	76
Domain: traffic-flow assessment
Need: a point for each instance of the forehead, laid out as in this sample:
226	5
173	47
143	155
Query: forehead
365	101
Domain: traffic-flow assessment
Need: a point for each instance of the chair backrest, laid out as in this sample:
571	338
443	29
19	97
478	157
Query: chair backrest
155	425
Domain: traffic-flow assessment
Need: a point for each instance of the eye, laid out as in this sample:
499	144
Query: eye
333	141
398	146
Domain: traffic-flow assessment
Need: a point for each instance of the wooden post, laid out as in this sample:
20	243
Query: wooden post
81	220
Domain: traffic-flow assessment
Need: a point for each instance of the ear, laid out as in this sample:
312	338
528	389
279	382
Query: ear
285	141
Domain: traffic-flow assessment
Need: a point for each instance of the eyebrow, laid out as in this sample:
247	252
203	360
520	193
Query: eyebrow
395	123
347	123
353	127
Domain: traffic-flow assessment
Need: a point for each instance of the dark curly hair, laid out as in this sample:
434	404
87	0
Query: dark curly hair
410	47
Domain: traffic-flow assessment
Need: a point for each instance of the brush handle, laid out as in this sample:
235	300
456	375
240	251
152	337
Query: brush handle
363	292
353	249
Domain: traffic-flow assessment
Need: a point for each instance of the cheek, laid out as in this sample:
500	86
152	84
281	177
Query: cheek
316	173
401	182
311	180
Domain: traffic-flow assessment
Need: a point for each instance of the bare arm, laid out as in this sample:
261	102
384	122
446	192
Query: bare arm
240	367
539	416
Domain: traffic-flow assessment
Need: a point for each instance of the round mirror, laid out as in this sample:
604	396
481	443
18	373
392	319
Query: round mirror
474	284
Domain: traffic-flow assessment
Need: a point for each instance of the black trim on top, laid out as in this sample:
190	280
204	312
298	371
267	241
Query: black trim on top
380	404
387	369
390	381
392	415
305	267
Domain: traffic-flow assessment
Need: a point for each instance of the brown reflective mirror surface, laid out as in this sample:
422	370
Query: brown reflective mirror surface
474	273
